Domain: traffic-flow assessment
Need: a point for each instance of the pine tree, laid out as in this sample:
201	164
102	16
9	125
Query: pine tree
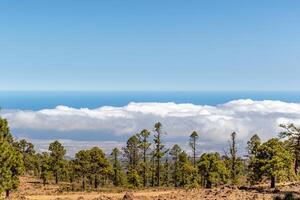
133	155
145	146
5	131
118	176
99	165
82	166
133	178
70	172
45	167
152	170
92	165
293	134
159	151
253	144
175	152
132	152
273	160
11	165
212	170
28	153
57	153
166	173
193	144
186	169
233	158
254	174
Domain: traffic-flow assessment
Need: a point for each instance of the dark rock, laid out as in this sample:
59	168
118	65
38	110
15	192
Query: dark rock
128	196
276	190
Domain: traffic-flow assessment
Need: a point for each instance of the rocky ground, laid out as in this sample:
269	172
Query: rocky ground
31	189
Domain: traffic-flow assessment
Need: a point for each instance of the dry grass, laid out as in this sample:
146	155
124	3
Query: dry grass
32	189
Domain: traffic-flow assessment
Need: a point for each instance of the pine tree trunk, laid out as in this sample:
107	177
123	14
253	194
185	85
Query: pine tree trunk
115	177
158	172
7	193
152	178
194	159
56	177
145	178
273	181
233	158
72	184
194	151
158	160
297	157
175	177
296	166
208	184
83	183
96	183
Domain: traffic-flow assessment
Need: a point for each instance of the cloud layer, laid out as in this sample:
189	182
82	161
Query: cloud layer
214	123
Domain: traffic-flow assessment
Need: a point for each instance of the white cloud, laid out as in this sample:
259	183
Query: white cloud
214	123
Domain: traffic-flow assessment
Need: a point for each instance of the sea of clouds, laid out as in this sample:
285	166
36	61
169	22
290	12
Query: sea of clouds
214	123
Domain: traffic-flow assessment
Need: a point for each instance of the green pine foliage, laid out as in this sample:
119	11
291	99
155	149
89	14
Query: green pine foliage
292	133
28	153
82	166
145	147
187	170
212	170
57	153
193	144
119	178
133	155
45	167
175	169
93	167
233	162
166	173
273	161
159	151
99	168
11	166
254	174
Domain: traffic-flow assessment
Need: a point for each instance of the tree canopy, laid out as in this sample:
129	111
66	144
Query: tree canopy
142	163
274	160
11	160
212	170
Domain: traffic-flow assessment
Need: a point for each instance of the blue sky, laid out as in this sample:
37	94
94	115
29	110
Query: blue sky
150	45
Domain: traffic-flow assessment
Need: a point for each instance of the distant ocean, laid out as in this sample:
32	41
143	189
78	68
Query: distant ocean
39	100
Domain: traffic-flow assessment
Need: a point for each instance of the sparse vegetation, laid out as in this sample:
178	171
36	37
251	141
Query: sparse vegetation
142	164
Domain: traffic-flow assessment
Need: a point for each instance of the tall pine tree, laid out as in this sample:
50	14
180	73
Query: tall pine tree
57	153
159	151
193	144
145	146
175	152
11	161
292	132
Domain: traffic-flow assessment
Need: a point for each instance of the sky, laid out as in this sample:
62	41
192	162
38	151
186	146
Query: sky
149	45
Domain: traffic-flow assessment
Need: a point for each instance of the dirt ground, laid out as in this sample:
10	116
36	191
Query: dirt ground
31	189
